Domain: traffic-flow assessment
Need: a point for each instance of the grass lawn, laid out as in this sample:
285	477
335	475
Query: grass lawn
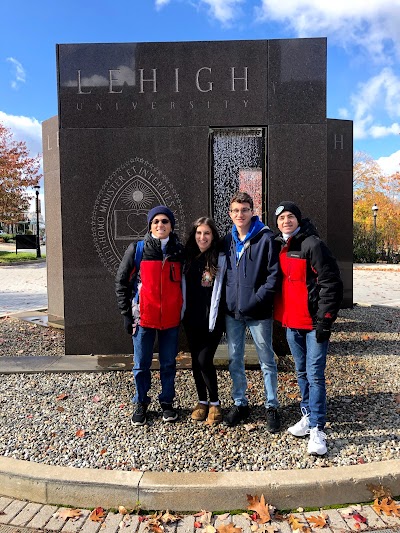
12	257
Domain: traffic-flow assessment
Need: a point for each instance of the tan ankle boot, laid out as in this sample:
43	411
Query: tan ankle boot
199	413
214	414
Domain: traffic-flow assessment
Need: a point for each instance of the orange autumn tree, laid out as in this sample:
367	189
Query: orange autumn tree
371	186
18	172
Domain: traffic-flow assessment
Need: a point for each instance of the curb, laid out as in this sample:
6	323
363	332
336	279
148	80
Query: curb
191	491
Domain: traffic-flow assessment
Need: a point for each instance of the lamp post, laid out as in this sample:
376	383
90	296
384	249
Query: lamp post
38	254
375	214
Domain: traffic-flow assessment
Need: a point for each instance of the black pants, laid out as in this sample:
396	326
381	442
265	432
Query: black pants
203	345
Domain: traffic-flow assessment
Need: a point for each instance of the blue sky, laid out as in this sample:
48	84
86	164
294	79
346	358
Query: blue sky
363	52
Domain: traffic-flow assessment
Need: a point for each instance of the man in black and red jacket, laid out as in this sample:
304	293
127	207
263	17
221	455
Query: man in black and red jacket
307	306
158	280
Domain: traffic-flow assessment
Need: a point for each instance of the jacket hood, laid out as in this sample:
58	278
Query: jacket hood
255	227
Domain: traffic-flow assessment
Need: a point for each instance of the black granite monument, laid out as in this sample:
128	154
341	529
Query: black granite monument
185	124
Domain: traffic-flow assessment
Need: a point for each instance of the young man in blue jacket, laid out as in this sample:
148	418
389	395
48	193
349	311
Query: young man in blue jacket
251	283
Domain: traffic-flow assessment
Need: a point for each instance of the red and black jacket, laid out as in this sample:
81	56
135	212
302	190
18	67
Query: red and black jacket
312	289
160	301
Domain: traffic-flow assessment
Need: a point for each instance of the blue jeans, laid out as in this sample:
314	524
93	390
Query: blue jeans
310	361
143	344
261	331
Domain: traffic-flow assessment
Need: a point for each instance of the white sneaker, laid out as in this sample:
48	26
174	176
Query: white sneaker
317	443
302	428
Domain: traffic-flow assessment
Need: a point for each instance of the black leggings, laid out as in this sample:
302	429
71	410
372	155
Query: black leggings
203	345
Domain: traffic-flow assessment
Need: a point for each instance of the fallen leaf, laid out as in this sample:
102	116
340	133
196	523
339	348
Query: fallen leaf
80	433
229	528
96	398
254	527
60	409
389	507
260	507
316	521
167	518
246	515
250	427
296	525
121	508
211	529
292	395
359	518
97	514
69	513
102	452
197	524
62	396
300	509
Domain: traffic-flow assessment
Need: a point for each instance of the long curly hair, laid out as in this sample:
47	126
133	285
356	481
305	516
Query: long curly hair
192	250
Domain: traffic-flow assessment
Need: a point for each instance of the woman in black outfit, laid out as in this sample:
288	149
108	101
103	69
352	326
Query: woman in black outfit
204	272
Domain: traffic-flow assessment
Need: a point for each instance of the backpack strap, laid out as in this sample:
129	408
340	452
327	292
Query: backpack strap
138	255
138	259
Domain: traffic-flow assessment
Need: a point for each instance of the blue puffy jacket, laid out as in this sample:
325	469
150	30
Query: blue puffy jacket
252	279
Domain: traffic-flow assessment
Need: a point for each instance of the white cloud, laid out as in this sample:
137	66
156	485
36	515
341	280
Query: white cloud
378	96
20	76
344	113
161	3
391	164
372	26
223	10
25	129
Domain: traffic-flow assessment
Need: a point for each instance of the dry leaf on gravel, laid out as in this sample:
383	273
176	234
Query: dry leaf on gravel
229	528
62	396
69	513
97	514
260	507
80	433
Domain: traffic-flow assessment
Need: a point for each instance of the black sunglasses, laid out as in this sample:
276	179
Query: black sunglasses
163	221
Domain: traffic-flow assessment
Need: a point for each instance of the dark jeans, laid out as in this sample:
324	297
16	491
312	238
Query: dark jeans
310	361
143	344
203	345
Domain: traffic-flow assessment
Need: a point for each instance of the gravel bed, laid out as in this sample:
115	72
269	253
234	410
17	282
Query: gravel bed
363	383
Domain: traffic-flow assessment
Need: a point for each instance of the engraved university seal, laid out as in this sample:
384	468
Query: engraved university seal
120	210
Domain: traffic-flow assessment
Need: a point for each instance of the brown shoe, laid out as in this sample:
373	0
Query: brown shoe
214	415
200	412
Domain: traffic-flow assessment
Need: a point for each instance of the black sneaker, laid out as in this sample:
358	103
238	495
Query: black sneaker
139	414
273	420
169	413
236	414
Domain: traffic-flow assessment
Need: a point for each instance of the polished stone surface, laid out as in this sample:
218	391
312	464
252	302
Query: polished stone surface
297	81
163	84
136	129
297	171
105	199
54	253
340	200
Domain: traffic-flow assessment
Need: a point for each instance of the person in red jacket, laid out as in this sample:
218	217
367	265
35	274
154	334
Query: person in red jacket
158	284
307	306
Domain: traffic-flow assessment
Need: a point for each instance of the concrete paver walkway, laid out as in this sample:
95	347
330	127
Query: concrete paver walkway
23	515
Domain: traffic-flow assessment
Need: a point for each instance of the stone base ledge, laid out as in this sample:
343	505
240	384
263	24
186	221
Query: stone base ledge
189	492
